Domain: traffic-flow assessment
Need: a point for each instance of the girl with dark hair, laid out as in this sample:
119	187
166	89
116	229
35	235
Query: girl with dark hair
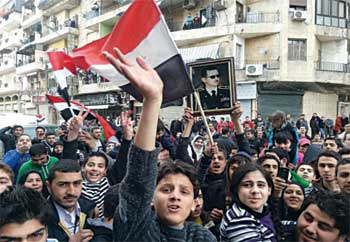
251	215
233	163
290	208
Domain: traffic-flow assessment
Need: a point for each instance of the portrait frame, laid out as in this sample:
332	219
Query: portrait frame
227	85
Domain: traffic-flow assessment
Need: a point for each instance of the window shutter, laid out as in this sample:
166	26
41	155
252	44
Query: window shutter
299	3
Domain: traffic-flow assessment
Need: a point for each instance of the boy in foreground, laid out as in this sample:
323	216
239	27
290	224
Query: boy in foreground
172	193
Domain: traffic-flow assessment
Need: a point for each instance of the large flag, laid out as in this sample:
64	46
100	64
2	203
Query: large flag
141	31
62	107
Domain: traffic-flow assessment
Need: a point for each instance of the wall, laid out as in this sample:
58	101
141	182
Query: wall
322	104
334	51
263	48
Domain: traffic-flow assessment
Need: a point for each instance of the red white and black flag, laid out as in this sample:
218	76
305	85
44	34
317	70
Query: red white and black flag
141	31
62	107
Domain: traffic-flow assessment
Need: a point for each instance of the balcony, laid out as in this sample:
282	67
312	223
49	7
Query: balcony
111	15
31	17
62	33
7	66
9	44
333	72
31	63
330	33
13	22
51	7
256	24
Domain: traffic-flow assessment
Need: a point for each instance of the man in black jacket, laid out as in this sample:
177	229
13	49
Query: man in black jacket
9	138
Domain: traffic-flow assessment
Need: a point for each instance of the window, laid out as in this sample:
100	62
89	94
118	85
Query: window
331	13
297	49
297	4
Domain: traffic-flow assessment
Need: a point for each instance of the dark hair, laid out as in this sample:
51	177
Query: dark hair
50	133
97	154
206	69
65	166
93	128
329	153
342	163
335	205
21	205
17	126
225	130
58	142
282	138
331	138
40	127
293	183
241	172
239	159
22	179
281	153
252	131
38	149
345	134
8	170
111	201
179	167
266	157
305	164
278	115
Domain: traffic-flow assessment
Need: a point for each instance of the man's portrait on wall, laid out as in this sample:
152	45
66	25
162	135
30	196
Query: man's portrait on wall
215	84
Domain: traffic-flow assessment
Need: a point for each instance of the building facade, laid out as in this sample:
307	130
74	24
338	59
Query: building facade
290	55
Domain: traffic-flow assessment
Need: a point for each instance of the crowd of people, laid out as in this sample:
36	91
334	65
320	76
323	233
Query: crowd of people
262	180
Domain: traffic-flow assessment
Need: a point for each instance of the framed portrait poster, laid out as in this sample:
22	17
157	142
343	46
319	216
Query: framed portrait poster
215	83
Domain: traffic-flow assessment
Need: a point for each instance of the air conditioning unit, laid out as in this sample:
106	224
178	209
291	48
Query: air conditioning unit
299	15
254	70
220	5
189	4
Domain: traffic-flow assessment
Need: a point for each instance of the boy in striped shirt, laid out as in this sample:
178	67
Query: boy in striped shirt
95	183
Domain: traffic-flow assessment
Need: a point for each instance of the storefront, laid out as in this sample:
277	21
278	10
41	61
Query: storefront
105	104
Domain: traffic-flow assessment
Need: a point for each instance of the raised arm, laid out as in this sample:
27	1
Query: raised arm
184	140
118	170
242	142
136	190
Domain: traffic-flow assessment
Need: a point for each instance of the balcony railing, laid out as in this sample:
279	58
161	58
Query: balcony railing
331	21
267	64
332	66
259	17
188	24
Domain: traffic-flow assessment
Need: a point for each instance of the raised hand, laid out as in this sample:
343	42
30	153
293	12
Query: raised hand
143	77
86	138
75	124
236	112
127	124
188	122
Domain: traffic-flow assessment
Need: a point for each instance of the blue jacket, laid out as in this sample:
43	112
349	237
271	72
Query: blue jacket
14	159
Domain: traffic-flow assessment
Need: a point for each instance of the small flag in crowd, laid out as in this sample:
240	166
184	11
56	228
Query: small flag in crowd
141	31
62	107
63	67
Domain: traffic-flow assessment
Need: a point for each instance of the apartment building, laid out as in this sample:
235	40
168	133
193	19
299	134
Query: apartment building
291	55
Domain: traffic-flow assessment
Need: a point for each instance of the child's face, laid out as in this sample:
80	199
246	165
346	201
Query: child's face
173	199
254	191
306	172
218	163
95	169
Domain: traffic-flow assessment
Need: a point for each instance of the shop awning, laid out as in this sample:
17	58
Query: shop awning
200	52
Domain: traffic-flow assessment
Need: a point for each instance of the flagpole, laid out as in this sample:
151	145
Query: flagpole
203	115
